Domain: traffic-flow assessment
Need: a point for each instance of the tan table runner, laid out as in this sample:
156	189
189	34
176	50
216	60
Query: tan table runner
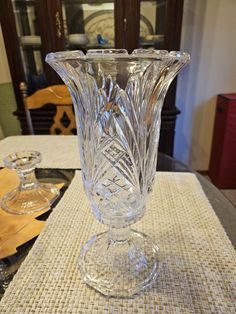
58	151
199	263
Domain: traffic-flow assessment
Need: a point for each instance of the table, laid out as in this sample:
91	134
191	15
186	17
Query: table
223	208
58	158
58	152
61	152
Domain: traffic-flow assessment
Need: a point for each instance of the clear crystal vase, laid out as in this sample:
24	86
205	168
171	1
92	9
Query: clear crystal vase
118	99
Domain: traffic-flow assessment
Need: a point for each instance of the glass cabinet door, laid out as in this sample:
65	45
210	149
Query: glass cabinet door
29	39
152	24
88	24
33	28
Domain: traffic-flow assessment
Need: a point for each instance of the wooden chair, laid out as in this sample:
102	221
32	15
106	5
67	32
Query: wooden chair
57	95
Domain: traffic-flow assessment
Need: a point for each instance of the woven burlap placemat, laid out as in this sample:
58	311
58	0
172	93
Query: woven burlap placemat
198	260
58	151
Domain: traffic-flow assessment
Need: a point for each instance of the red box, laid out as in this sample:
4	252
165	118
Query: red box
222	170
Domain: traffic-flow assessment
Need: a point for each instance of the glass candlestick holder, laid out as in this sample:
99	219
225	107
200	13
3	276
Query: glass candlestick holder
30	196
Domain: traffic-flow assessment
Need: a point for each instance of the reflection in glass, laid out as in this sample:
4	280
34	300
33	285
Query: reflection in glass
152	23
88	25
30	43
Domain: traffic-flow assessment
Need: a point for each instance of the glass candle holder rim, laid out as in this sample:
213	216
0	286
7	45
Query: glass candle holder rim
8	160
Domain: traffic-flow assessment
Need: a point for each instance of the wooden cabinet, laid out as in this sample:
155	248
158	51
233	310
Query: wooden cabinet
222	169
32	28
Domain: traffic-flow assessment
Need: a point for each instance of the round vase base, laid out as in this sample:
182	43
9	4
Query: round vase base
119	268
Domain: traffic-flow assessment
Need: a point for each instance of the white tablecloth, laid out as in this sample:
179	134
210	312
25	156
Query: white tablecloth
58	151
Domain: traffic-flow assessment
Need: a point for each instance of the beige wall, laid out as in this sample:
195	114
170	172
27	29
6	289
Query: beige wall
9	125
209	34
5	76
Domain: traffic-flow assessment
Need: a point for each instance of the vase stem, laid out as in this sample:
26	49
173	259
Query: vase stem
118	234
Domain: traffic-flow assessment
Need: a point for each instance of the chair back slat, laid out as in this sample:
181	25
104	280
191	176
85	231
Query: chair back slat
57	95
58	125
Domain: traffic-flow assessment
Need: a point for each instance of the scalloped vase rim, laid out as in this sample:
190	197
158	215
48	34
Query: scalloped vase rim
117	54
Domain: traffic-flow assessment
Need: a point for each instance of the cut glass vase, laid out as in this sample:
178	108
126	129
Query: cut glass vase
118	99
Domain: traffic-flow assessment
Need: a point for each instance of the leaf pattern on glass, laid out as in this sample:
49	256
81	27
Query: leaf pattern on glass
118	101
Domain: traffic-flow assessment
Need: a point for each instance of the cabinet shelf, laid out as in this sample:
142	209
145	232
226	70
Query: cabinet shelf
30	47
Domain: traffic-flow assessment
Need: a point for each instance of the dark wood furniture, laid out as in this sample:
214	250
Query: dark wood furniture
222	170
51	22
